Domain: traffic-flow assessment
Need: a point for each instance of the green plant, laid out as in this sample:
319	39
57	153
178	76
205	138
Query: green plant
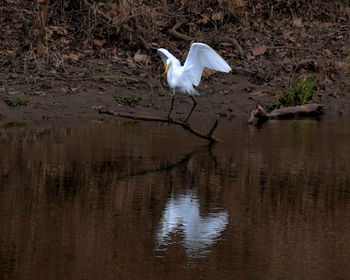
127	100
300	94
15	125
347	52
15	101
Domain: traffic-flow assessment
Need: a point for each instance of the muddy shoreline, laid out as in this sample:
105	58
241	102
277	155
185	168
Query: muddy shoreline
223	96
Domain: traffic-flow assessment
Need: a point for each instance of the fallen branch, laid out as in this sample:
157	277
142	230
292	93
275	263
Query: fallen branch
209	137
143	41
260	114
235	43
173	31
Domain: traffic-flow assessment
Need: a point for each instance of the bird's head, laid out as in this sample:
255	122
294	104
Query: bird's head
167	66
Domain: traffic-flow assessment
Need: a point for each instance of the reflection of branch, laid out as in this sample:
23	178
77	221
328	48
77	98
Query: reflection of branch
184	125
165	168
168	167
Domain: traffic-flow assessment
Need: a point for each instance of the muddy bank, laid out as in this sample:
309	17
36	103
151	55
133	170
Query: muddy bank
224	96
68	67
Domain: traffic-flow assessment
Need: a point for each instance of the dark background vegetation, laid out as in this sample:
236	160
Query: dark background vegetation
53	33
274	43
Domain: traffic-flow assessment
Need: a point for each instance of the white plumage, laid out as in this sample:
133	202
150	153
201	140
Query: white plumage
183	217
183	78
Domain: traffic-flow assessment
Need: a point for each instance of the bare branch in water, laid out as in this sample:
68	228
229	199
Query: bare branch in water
209	137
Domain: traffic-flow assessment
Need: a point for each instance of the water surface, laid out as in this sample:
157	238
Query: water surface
124	200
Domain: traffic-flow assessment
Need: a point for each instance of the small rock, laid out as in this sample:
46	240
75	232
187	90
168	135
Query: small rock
98	107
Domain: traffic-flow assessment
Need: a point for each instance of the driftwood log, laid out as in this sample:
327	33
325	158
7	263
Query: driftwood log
259	114
209	136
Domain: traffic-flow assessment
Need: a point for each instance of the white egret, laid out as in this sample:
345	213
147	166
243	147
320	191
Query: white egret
183	78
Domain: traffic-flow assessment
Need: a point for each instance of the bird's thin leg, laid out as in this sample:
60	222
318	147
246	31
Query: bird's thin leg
193	106
172	104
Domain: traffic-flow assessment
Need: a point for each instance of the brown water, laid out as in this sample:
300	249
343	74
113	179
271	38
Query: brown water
124	200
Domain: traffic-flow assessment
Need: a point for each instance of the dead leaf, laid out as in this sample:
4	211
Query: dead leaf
203	20
75	88
116	58
207	72
327	52
288	35
239	3
297	22
141	58
155	45
226	44
259	50
114	11
71	56
341	67
99	43
269	23
40	47
58	29
66	89
89	52
257	92
63	41
217	16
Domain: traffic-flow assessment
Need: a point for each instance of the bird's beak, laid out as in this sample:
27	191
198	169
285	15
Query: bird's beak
166	69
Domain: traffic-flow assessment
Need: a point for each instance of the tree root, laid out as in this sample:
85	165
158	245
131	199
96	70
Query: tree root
209	137
259	114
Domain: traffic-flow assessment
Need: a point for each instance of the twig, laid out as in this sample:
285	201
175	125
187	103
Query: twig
293	48
173	31
143	41
209	137
97	11
143	12
235	44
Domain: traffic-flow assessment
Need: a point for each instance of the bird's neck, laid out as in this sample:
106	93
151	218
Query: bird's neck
170	71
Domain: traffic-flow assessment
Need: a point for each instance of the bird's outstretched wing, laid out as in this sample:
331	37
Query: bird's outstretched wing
165	54
201	56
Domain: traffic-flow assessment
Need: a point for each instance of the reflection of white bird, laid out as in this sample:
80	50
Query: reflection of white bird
182	215
183	78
